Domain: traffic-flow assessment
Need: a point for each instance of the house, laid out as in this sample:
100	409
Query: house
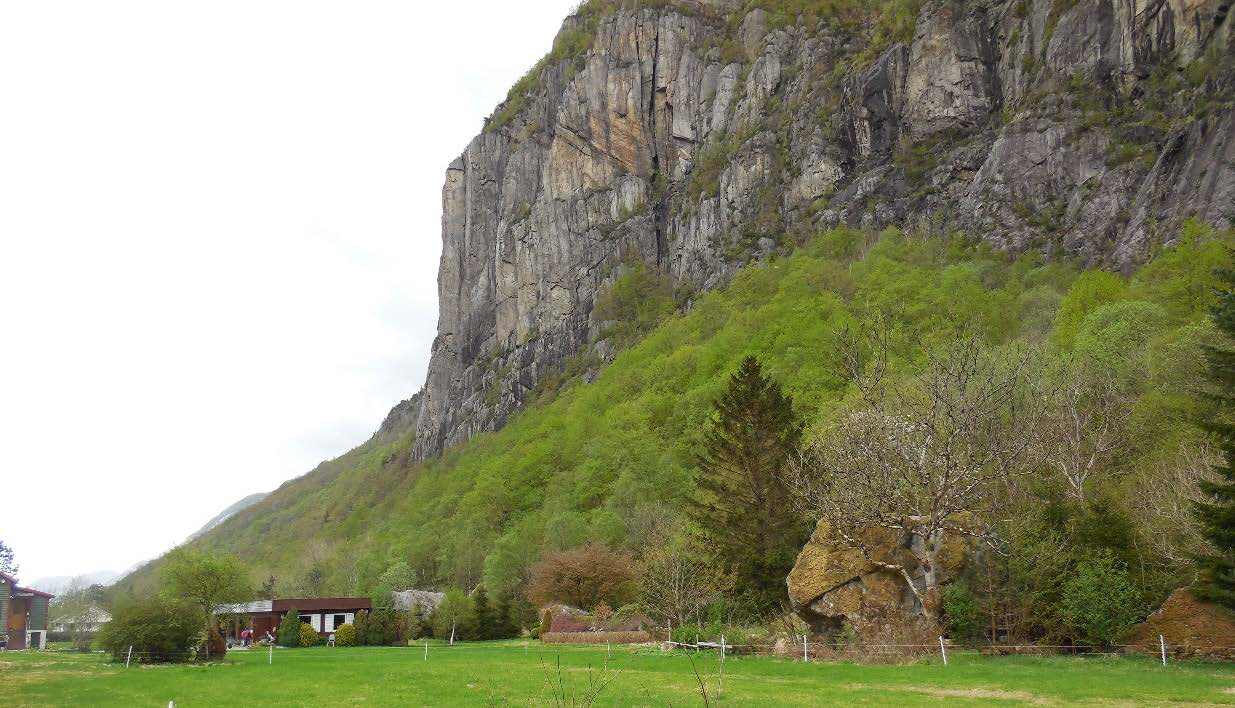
23	614
324	614
89	620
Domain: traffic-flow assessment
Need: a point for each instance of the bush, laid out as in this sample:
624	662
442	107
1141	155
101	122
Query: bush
289	629
583	577
636	637
961	613
308	636
1100	603
345	635
158	630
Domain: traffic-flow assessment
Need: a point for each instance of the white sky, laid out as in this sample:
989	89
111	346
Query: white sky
219	236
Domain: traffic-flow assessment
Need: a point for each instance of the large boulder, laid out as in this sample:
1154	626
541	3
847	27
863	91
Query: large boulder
834	583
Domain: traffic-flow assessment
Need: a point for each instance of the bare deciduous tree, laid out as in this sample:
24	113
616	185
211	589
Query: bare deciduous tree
677	582
1083	425
923	454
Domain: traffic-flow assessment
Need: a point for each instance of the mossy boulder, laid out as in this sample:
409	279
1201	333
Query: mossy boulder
835	583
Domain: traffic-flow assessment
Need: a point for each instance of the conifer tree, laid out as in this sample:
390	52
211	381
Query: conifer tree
485	628
289	629
741	506
1217	514
506	628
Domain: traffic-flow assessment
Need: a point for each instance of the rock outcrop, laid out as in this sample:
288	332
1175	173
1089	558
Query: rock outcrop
695	137
834	583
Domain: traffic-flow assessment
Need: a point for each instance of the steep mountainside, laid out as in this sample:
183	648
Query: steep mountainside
227	513
694	137
723	170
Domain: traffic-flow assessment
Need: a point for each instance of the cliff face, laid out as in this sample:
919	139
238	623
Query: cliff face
694	137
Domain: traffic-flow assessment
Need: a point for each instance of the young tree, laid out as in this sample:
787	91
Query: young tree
289	629
583	577
6	559
740	506
267	592
205	580
454	618
397	578
507	628
483	614
1216	513
677	581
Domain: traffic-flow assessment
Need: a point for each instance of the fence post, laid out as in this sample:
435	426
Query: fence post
696	643
270	661
129	657
1162	643
943	650
721	686
426	650
608	650
805	656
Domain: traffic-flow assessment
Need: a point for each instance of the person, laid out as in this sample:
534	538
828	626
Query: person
244	637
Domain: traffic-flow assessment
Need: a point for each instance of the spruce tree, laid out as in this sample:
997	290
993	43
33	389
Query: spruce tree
289	629
1217	514
506	628
741	506
483	613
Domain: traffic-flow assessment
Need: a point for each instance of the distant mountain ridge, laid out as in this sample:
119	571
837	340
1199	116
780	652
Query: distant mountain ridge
56	584
228	513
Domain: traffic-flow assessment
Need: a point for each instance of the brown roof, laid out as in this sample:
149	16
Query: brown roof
317	604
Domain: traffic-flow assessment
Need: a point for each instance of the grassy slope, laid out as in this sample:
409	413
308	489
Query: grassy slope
502	674
587	461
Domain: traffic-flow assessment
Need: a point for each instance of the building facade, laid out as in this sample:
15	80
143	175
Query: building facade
323	614
23	615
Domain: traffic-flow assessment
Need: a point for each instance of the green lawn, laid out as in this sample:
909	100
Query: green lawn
503	674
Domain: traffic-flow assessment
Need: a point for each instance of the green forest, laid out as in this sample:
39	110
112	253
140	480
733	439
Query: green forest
613	462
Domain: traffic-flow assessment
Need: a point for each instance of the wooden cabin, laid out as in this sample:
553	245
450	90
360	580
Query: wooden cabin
324	614
23	615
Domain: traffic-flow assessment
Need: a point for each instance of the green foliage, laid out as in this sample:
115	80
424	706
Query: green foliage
1100	602
397	578
455	617
635	303
741	506
962	614
383	627
308	636
709	164
158	630
1216	512
345	635
7	565
289	629
484	617
1089	292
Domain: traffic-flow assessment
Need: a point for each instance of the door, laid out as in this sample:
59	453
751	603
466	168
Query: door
18	608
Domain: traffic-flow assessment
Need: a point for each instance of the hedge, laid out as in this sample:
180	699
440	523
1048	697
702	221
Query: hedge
595	637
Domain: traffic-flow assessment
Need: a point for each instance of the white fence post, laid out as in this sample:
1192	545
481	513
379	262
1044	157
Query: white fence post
129	657
943	650
270	660
426	650
805	656
1162	643
721	685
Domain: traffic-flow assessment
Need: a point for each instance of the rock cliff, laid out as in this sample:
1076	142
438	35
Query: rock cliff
695	137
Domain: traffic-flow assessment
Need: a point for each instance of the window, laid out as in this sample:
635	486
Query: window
339	621
306	619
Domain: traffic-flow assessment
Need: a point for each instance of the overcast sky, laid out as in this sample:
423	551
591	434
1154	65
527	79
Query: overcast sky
219	236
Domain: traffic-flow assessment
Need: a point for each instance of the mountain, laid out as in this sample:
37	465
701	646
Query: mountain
695	137
227	513
678	184
57	583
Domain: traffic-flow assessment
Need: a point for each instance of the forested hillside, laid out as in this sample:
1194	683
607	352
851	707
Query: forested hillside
613	460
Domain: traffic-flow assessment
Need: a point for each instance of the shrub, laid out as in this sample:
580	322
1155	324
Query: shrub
1100	603
158	630
583	577
345	635
308	635
962	614
546	622
454	616
289	629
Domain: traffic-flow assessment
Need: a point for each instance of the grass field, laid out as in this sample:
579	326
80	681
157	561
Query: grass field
503	674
